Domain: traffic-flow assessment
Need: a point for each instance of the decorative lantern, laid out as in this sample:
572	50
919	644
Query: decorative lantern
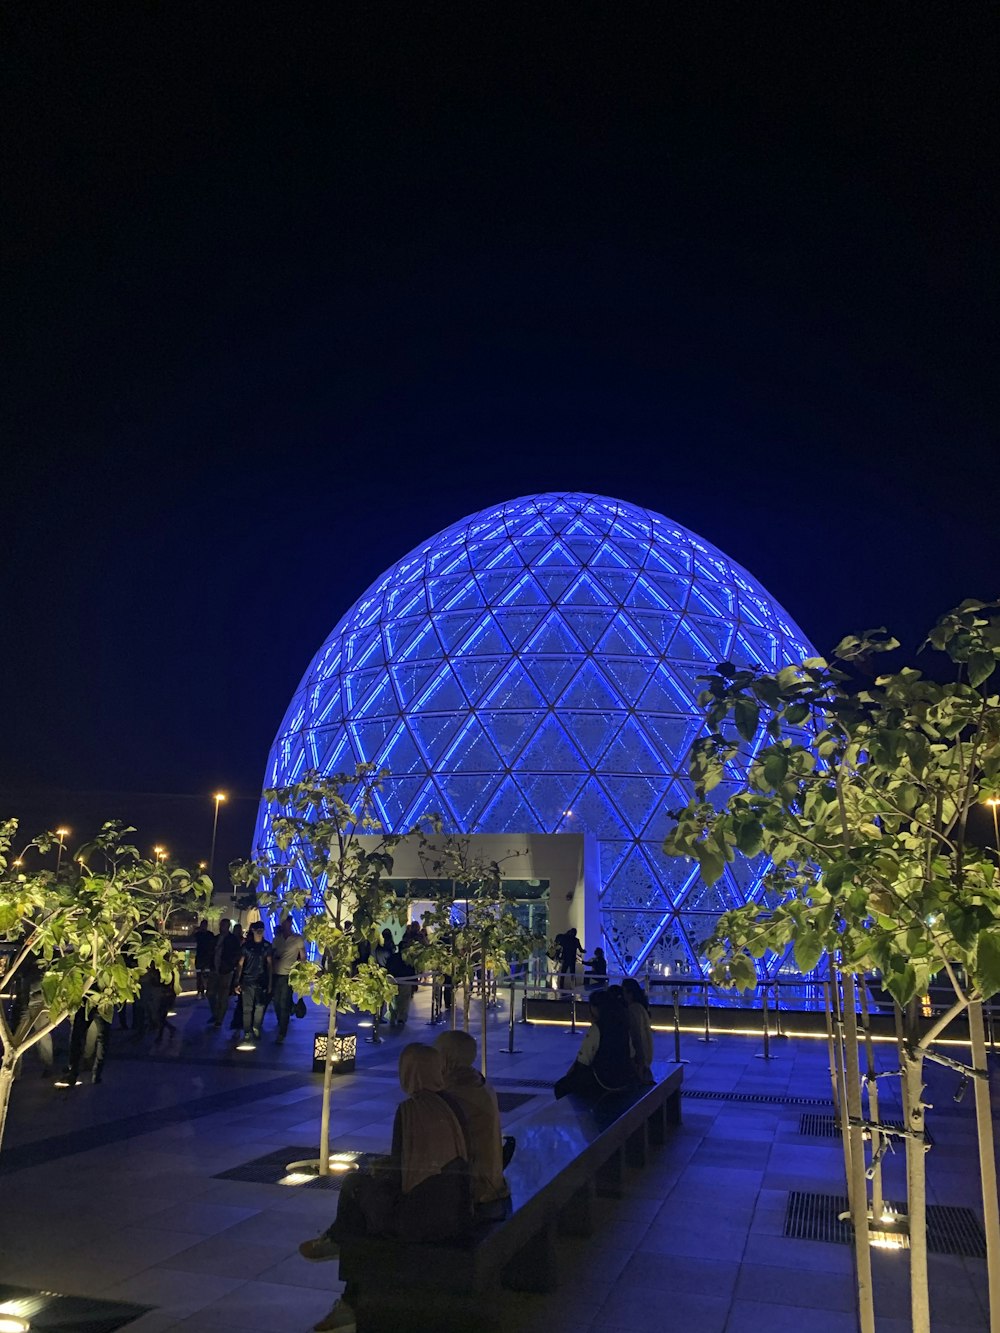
345	1050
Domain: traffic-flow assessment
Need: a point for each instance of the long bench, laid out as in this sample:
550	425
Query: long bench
567	1153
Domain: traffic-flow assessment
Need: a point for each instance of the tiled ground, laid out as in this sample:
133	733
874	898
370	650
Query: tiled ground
110	1191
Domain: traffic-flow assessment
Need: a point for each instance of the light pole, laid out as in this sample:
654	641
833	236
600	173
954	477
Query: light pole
160	853
219	797
63	833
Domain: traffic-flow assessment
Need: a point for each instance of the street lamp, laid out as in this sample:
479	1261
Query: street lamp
62	834
160	853
219	797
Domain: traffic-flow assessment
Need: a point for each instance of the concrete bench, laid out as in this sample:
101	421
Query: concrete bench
567	1153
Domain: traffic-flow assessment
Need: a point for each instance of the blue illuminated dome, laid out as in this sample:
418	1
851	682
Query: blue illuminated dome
534	668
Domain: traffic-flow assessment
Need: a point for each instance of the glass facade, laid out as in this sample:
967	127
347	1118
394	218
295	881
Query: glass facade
534	668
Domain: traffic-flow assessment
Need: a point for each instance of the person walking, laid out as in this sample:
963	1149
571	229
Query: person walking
253	980
287	950
224	960
204	952
570	949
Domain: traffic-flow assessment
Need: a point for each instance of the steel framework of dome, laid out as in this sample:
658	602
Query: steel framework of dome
534	668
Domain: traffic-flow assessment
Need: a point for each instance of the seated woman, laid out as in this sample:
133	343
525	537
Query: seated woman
597	970
421	1192
604	1062
640	1029
477	1103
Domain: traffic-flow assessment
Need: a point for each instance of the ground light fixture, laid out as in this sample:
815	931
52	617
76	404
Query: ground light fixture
301	1173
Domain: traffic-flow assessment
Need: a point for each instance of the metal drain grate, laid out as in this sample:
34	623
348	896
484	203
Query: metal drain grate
949	1230
523	1082
759	1098
273	1169
825	1127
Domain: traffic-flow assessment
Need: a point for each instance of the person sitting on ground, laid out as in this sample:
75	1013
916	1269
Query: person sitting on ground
604	1062
478	1102
640	1029
596	974
421	1192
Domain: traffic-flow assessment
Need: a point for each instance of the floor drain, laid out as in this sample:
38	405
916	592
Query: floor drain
949	1230
272	1169
759	1098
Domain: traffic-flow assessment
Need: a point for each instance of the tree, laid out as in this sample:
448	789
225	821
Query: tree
859	793
83	935
330	859
475	929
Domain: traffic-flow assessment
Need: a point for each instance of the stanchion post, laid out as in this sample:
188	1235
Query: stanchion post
571	977
766	1053
678	1059
708	1022
510	1023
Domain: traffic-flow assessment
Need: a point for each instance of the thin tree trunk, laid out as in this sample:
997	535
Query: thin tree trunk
828	1015
859	1192
987	1159
6	1087
916	1188
467	998
842	1113
482	1044
878	1201
324	1119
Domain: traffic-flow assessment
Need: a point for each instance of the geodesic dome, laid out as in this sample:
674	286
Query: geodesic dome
534	668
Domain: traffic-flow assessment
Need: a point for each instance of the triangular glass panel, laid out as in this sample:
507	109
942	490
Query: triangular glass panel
397	800
454	627
486	641
612	854
634	887
746	876
507	556
638	799
671	954
674	874
618	583
681	682
358	684
433	733
497	585
525	593
608	558
471	751
592	733
369	738
718	634
621	640
671	590
646	596
672	736
629	935
698	927
410	678
402	756
669	559
712	898
631	753
594	814
590	690
361	647
554	637
756	647
423	647
442	694
507	812
406	602
327	705
464	597
477	674
515	689
629	675
509	731
585	592
466	795
551	797
328	750
550	750
449	558
712	599
583	546
589	626
554	582
380	702
398	633
516	625
659	630
556	554
553	674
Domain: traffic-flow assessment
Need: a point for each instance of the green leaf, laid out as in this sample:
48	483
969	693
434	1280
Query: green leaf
902	984
988	962
775	767
750	837
746	715
808	950
981	667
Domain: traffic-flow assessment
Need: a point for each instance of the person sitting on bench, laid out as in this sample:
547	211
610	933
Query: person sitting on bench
605	1061
421	1192
478	1104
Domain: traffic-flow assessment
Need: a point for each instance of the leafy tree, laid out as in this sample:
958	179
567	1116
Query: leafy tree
859	793
86	933
330	860
475	929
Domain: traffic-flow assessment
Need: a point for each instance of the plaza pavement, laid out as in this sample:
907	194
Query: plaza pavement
111	1190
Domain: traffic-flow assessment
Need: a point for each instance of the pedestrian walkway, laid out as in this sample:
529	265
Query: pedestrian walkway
112	1190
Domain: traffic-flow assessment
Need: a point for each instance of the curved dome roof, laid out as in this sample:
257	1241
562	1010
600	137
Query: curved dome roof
533	669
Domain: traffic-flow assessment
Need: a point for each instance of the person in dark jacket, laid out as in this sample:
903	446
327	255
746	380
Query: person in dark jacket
204	953
422	1192
224	960
253	980
605	1061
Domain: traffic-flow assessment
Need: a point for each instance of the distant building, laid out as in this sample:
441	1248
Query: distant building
533	670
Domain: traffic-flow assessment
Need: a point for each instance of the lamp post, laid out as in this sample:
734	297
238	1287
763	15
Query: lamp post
219	797
63	833
160	853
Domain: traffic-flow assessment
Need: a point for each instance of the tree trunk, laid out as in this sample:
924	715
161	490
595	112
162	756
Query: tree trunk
6	1087
482	1044
842	1111
916	1189
828	1015
324	1118
878	1201
859	1192
467	998
987	1159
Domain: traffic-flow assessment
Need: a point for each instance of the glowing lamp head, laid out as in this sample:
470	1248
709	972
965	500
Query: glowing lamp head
219	796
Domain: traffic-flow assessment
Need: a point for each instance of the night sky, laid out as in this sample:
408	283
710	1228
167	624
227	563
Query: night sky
287	290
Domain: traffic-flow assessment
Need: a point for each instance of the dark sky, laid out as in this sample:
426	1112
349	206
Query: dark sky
286	290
